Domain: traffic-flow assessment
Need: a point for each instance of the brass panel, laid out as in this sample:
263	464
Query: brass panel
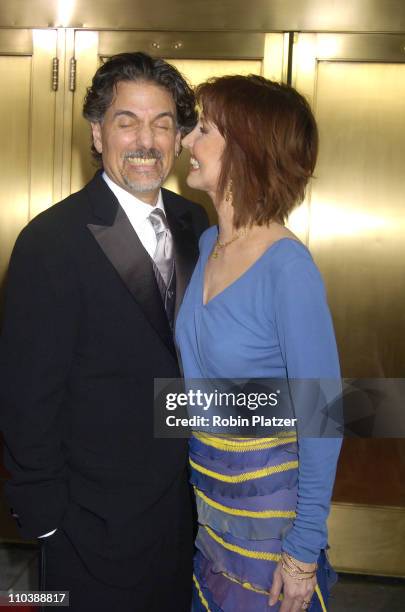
14	158
187	15
357	211
42	122
86	54
190	45
15	42
63	117
27	161
367	539
310	48
354	222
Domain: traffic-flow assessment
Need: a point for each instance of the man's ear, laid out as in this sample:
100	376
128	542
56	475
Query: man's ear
97	140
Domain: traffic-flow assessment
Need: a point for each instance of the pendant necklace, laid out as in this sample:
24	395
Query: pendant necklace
221	245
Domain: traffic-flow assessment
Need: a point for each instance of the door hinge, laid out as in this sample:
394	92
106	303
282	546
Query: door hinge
55	74
72	74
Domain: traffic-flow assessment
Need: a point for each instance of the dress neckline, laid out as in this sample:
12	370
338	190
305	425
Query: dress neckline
244	274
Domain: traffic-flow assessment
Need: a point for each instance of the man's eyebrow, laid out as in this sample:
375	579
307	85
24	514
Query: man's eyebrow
165	114
132	115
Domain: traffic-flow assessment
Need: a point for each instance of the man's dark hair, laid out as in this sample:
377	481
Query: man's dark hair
139	67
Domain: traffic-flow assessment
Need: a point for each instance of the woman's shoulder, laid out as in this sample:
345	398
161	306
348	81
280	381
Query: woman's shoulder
287	250
290	261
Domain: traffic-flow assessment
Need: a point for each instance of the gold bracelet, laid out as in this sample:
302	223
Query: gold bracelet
292	568
295	575
289	559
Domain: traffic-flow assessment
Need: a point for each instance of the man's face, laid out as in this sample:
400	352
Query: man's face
138	138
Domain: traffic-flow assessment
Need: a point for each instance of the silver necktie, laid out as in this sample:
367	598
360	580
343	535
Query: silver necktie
164	254
163	262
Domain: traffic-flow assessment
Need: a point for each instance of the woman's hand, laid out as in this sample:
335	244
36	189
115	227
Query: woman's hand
297	592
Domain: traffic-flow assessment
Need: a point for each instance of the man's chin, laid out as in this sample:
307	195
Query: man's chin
142	186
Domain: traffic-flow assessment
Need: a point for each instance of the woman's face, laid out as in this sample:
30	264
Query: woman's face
206	146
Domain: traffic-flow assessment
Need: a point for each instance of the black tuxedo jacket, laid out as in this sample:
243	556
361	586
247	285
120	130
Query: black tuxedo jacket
84	335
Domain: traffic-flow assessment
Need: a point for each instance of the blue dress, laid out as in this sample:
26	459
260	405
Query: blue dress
256	497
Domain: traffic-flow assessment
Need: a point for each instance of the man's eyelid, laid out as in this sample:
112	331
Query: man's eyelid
163	122
168	117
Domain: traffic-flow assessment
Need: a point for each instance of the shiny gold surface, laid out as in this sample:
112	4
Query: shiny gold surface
63	118
27	104
188	15
367	539
14	158
357	218
42	122
192	45
354	223
86	54
20	41
358	224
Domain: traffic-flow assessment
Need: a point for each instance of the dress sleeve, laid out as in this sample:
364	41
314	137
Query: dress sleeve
308	348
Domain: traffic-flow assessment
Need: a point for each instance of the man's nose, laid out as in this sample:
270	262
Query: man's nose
145	136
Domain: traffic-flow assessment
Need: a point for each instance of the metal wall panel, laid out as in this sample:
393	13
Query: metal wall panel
28	103
353	221
188	15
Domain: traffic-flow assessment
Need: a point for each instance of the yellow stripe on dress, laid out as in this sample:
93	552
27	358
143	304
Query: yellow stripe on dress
249	587
200	594
321	599
247	513
244	552
245	476
237	446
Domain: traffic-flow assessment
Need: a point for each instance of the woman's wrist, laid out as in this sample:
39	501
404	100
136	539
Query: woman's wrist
297	569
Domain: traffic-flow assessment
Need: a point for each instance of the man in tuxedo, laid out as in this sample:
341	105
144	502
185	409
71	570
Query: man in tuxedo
94	286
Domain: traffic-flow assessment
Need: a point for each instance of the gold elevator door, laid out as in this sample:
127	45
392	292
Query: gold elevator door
27	108
354	223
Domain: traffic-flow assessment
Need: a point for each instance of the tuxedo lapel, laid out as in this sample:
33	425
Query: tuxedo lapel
121	245
185	244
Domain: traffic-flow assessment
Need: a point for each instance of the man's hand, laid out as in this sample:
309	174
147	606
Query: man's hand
297	592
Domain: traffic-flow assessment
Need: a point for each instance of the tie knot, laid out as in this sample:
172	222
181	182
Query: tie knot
158	220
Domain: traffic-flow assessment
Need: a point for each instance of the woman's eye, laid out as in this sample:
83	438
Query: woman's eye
203	130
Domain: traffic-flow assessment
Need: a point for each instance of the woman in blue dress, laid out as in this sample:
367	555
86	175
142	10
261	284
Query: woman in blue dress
256	308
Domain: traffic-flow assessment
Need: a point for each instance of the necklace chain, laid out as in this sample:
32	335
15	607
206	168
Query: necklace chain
221	245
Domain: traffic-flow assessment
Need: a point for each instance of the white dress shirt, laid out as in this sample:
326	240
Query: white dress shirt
137	213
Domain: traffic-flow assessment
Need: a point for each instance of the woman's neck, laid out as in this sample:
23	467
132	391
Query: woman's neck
226	229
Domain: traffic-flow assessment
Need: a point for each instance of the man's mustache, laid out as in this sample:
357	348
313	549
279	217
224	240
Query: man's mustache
144	154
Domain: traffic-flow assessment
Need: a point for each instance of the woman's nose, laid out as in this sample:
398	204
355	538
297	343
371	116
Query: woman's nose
188	140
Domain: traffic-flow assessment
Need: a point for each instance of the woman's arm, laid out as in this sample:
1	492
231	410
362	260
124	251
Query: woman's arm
309	351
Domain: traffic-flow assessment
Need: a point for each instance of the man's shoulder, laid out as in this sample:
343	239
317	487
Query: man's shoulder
63	211
64	216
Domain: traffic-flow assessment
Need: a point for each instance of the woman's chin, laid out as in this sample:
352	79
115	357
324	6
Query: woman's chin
193	182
